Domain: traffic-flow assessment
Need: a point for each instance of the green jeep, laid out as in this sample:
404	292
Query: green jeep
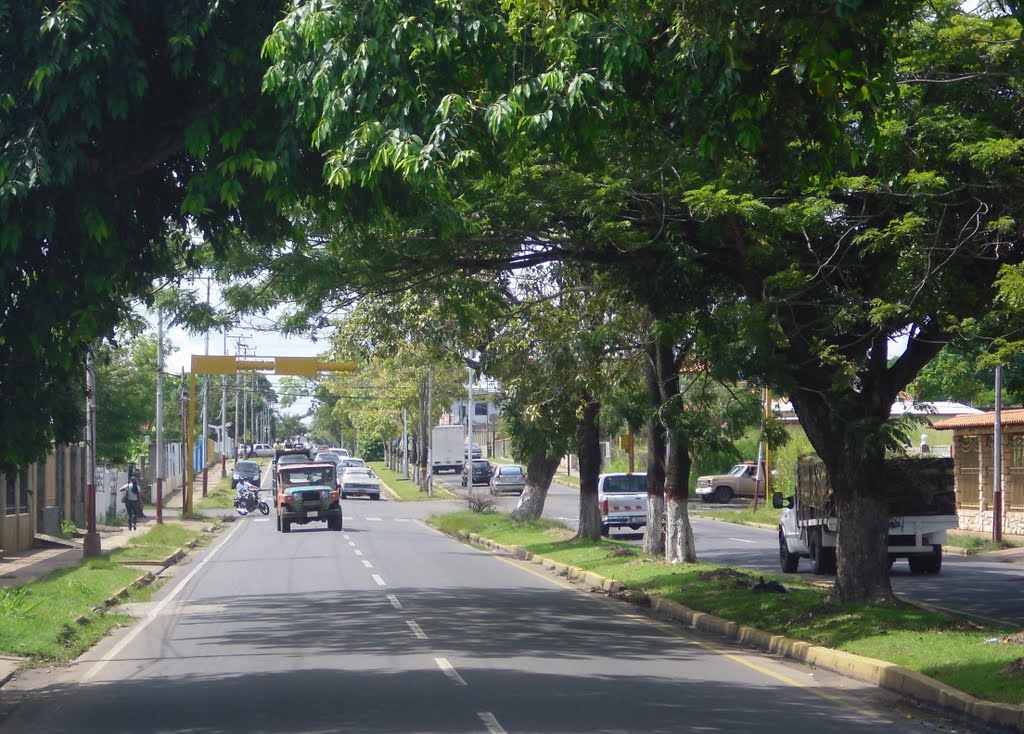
308	493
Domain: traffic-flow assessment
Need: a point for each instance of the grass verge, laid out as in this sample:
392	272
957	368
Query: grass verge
158	543
38	620
218	497
406	489
983	659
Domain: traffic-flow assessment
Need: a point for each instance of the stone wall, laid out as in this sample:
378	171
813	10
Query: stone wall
981	521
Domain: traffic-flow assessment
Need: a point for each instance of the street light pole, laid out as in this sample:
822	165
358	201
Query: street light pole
159	416
91	544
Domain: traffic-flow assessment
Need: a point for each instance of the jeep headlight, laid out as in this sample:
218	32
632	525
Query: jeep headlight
324	494
236	476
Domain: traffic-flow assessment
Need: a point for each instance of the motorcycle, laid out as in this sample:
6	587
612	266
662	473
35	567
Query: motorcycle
249	500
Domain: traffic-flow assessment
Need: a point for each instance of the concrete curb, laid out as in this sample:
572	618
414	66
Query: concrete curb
885	675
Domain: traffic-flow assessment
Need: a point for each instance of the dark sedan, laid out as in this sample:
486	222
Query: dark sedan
482	472
248	470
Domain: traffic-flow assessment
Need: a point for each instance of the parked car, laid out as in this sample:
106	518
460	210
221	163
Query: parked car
307	493
475	451
508	478
482	472
741	481
248	470
263	450
360	481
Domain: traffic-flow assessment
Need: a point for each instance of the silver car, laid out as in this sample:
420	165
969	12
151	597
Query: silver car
358	481
508	478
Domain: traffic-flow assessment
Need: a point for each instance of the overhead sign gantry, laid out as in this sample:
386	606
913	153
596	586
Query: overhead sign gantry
233	364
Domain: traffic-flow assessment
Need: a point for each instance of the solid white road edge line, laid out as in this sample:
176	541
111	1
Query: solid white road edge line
155	611
416	629
448	670
493	727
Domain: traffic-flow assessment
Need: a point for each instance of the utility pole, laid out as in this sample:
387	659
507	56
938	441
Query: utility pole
997	461
206	403
159	416
224	413
405	443
430	424
91	545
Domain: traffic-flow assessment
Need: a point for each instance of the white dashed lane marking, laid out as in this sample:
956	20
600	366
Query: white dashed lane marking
416	630
367	564
394	601
379	580
448	670
493	727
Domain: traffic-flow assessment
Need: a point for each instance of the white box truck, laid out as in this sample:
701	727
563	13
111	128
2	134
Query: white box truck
447	448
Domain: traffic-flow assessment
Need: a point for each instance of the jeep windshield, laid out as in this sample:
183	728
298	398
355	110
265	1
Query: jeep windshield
306	476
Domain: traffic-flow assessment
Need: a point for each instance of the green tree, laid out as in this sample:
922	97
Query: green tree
123	125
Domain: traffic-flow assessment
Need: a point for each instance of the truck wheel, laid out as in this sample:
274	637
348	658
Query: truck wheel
605	530
817	552
723	495
789	561
926	562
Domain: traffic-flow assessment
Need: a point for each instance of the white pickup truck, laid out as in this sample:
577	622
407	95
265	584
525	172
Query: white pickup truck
622	499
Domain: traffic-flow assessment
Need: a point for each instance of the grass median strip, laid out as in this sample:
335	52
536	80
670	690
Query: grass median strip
980	658
406	489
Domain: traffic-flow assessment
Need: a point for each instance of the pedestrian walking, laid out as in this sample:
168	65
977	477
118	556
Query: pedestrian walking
131	496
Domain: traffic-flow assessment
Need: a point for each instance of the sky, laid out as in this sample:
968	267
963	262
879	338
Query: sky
253	335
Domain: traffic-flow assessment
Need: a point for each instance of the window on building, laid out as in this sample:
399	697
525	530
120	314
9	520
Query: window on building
23	495
480	409
12	493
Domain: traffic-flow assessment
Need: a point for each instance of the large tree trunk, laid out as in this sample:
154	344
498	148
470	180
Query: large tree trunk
540	470
654	532
855	460
679	544
589	453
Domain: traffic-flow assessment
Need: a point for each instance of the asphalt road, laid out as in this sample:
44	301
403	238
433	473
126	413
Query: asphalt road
389	626
966	585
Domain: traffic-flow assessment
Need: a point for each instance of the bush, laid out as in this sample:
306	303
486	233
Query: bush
480	502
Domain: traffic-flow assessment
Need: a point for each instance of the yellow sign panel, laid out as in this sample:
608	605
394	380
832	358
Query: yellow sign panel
302	366
310	366
255	364
213	364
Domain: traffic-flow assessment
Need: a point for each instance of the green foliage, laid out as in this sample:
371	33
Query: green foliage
108	145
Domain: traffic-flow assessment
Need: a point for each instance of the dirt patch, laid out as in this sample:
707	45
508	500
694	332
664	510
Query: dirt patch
638	561
1014	639
621	551
1016	666
724	574
960	625
559	533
